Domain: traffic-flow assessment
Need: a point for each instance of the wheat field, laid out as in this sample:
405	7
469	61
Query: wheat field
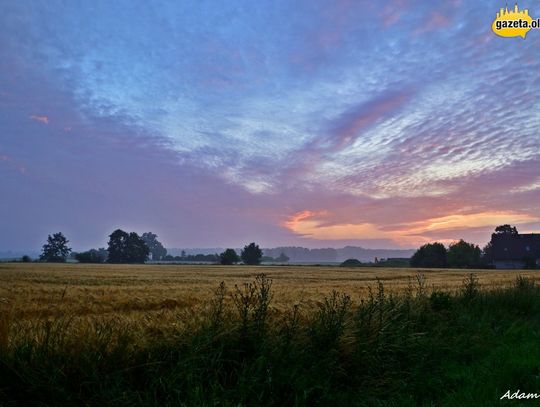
36	290
75	334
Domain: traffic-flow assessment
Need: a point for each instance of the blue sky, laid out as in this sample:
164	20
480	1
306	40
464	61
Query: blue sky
316	123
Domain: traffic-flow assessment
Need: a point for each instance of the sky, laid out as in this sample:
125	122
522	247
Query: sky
383	124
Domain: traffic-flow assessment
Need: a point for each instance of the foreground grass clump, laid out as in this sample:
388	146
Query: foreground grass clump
422	347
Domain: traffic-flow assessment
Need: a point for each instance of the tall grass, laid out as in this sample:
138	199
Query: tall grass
421	347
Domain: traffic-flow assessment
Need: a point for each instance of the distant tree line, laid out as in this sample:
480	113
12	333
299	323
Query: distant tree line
391	262
124	247
130	248
211	258
459	254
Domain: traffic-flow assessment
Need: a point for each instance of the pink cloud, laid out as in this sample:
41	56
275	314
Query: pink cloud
392	12
350	124
41	119
435	21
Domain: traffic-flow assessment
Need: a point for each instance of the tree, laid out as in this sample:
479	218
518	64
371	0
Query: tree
117	246
92	256
138	251
506	230
283	258
229	257
487	254
462	254
430	255
56	249
156	248
251	254
26	259
127	248
351	263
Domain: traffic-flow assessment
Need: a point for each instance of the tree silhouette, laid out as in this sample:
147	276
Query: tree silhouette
351	263
92	256
56	249
462	254
251	254
127	248
430	255
229	257
156	248
506	230
487	254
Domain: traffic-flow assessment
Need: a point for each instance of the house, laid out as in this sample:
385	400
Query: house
515	251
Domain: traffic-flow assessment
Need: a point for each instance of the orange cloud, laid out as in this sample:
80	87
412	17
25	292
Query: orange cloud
42	119
294	221
468	221
316	225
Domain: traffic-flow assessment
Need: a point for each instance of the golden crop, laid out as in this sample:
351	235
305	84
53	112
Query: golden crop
36	290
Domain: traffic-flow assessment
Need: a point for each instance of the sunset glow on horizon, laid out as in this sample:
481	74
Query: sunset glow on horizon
314	226
313	123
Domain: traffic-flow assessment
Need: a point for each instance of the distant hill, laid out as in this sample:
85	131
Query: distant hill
305	255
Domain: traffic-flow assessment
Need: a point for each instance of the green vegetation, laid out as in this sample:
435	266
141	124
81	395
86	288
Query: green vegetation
157	250
351	263
462	254
430	255
228	257
421	347
92	256
282	258
383	263
126	248
56	249
251	254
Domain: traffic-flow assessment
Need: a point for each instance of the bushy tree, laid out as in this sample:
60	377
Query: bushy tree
138	251
229	257
56	249
351	263
251	254
127	248
462	254
506	230
156	248
282	258
430	255
92	256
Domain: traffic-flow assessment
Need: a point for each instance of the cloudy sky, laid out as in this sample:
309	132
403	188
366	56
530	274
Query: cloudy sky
314	123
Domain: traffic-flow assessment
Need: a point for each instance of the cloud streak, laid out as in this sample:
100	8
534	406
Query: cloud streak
41	119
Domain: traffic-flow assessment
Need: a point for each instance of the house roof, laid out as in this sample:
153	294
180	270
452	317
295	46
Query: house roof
515	247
